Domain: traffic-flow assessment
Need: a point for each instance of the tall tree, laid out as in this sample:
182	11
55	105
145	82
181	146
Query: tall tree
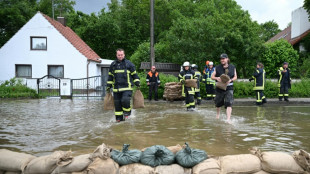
307	6
269	29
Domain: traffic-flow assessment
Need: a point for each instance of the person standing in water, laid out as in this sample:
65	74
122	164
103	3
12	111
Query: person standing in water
259	76
187	92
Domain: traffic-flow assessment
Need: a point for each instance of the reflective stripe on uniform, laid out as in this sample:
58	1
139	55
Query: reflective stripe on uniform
119	113
110	82
122	89
133	73
127	109
136	80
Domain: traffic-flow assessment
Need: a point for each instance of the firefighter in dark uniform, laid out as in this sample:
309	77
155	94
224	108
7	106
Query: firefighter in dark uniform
210	84
284	81
259	83
199	79
187	92
122	76
153	82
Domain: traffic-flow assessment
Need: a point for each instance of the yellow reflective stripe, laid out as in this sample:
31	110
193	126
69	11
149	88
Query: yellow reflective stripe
122	89
119	113
286	95
281	95
199	98
133	73
192	104
191	92
110	82
136	80
111	74
127	109
258	88
197	89
187	105
183	93
119	71
180	76
263	97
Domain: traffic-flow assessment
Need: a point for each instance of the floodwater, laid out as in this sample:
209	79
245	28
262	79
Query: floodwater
42	126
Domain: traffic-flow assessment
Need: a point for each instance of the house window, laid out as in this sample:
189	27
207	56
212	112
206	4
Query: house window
38	43
56	70
24	71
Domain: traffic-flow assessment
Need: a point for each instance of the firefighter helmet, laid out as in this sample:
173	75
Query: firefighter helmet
210	63
194	66
186	64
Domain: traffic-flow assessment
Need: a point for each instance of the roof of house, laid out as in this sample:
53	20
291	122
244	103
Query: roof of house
74	39
284	34
295	40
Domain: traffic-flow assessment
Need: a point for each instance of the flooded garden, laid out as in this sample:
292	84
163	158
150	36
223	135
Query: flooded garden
42	126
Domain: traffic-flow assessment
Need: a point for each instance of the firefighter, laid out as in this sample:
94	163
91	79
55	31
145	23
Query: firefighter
199	79
284	81
259	83
187	92
153	82
122	76
210	84
206	66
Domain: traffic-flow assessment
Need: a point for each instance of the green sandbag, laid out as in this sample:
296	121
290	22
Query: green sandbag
189	157
126	156
157	155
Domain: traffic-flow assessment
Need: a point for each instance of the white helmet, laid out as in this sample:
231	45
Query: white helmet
210	63
193	65
186	64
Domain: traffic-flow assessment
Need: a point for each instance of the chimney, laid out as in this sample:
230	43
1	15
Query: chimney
62	20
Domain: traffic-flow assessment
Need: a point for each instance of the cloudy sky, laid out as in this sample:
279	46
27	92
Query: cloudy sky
260	10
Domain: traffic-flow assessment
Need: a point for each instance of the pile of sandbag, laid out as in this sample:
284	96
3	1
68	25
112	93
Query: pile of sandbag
173	91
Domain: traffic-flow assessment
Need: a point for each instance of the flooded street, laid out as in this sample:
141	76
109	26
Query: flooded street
42	126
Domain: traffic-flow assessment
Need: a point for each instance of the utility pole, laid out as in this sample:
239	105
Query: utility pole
152	33
53	10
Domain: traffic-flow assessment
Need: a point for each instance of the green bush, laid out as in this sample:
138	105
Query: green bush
14	88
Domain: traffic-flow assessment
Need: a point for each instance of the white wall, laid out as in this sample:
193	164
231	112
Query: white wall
300	22
59	52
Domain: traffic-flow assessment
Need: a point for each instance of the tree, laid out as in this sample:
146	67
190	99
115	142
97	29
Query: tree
61	7
275	54
307	6
269	29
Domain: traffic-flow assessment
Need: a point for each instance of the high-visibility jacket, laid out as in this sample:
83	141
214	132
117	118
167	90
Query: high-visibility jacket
122	75
153	77
259	77
184	75
199	78
284	77
207	76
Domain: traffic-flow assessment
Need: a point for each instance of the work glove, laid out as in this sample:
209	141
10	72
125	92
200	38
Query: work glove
108	89
183	81
137	83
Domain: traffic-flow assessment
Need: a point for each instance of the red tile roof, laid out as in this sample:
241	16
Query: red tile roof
295	40
74	39
284	34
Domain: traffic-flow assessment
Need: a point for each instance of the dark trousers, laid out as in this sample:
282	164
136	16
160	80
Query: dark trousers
260	97
283	91
122	104
210	91
153	87
189	97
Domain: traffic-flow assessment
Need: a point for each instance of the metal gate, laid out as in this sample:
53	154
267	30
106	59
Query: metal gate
48	86
87	87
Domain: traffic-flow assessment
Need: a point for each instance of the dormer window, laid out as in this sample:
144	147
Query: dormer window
38	43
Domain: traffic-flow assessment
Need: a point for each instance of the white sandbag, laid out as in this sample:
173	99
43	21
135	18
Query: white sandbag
136	168
303	159
101	166
103	151
175	148
244	163
47	164
13	161
78	164
12	172
208	166
172	169
279	162
261	172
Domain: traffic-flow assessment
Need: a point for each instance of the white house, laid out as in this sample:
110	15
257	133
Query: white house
44	46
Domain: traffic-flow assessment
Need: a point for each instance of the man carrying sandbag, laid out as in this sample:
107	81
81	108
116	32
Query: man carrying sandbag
224	74
259	76
122	75
199	78
152	79
187	92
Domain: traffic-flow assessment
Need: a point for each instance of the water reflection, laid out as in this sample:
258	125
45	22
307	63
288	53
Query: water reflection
42	126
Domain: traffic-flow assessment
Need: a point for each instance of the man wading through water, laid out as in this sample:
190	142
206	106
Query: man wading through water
224	97
122	76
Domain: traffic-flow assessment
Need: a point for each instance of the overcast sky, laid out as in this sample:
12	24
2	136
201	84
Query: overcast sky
260	10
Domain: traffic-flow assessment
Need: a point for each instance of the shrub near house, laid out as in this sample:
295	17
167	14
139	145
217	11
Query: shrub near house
14	88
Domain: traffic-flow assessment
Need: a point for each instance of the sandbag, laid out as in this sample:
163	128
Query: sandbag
225	78
108	102
189	157
303	159
208	166
191	83
244	163
126	156
223	84
100	166
157	155
175	149
78	164
47	164
261	172
138	100
102	151
279	162
12	173
172	169
13	161
136	168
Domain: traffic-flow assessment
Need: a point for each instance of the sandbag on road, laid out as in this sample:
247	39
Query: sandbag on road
13	161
